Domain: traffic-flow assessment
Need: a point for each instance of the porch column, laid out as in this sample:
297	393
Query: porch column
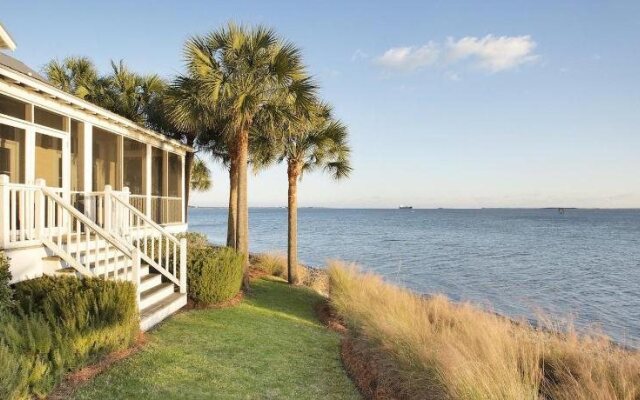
183	191
66	161
120	162
5	215
165	187
87	154
29	149
30	155
87	169
147	181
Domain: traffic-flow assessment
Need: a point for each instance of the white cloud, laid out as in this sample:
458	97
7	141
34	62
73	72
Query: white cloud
410	58
493	53
490	53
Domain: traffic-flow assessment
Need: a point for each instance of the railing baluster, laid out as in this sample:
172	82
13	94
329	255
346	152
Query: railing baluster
69	229
28	204
21	204
78	236
86	248
166	262
14	216
175	258
146	245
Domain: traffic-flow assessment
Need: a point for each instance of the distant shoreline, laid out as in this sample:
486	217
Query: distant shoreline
436	208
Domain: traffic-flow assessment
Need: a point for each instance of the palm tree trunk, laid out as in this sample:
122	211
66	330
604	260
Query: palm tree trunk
188	163
292	236
233	204
242	212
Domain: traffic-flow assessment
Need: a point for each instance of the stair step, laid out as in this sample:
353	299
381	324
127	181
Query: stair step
156	294
144	271
149	281
154	314
67	271
108	265
51	258
93	255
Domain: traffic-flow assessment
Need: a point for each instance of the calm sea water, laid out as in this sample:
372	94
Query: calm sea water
583	264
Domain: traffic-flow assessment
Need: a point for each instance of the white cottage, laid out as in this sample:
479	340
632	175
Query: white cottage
87	192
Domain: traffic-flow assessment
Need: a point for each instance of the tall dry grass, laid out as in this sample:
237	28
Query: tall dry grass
272	263
275	263
431	348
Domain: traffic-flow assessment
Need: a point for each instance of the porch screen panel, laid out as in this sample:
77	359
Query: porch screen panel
134	176
77	156
47	118
173	204
12	153
105	160
157	172
49	159
175	175
157	185
12	107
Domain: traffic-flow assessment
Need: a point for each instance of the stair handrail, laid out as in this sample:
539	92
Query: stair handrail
180	244
87	221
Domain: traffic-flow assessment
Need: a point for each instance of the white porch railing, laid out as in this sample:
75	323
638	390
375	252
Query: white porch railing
97	234
157	247
24	215
166	209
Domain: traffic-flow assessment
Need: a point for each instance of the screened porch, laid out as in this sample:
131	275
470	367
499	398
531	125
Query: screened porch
80	159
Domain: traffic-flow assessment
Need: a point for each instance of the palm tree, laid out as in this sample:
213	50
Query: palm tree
189	110
129	94
246	72
219	147
317	141
200	176
75	75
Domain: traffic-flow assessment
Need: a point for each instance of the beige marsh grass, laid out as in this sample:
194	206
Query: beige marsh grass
432	348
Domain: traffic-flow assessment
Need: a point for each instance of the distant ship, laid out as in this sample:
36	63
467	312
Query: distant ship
405	207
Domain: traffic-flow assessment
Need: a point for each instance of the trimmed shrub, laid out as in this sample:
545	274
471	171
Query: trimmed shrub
6	294
214	275
78	304
194	239
59	324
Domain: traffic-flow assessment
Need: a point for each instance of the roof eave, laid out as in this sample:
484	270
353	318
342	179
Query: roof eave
6	41
88	106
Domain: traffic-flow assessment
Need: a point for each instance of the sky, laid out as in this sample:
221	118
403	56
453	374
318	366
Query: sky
448	104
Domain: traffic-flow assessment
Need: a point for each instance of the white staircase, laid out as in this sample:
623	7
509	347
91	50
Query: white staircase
109	239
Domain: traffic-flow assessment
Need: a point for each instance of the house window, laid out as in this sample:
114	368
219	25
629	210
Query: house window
13	108
175	175
135	166
12	153
49	159
49	119
77	156
105	160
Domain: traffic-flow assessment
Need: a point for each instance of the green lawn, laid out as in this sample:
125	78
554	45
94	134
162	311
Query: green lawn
269	347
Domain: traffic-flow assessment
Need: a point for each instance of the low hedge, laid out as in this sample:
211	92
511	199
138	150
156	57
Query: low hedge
214	275
59	324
